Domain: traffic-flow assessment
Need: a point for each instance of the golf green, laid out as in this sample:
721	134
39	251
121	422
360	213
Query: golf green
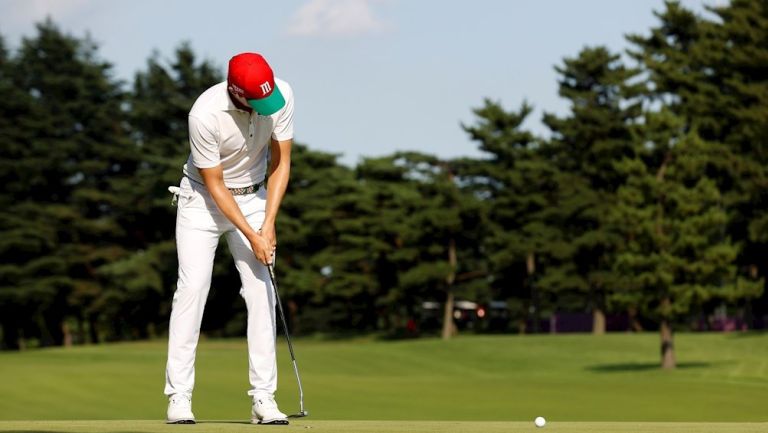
379	427
565	378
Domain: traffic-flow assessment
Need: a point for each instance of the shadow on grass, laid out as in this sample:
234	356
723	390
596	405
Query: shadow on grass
124	431
223	422
29	431
642	366
333	336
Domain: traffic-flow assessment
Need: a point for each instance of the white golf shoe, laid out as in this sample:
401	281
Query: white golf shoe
265	411
180	410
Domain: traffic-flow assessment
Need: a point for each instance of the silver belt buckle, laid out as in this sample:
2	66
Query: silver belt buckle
250	189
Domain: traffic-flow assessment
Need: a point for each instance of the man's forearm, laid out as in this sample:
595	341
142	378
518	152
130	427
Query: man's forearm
228	206
214	183
278	183
280	172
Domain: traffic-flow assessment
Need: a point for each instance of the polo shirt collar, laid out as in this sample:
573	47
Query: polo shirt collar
230	105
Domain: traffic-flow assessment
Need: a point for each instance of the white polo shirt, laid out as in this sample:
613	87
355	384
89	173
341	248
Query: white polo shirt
221	133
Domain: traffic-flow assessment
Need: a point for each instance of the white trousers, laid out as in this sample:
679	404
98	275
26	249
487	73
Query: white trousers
199	225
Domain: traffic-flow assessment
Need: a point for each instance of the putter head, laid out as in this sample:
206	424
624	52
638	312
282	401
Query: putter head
301	414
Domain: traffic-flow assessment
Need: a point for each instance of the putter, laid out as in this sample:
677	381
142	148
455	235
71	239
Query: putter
302	412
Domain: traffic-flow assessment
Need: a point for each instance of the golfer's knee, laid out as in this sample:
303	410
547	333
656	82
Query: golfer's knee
256	296
190	293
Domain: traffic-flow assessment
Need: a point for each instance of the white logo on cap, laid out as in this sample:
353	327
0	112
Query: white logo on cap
236	89
265	88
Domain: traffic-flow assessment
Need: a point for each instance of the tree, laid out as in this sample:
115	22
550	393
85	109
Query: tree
363	265
733	54
321	195
522	191
676	254
711	75
444	229
596	134
18	239
366	247
72	149
137	286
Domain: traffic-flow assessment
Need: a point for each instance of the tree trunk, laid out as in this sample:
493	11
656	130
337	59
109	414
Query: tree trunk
634	323
530	267
22	340
667	344
449	327
66	333
667	341
598	311
598	321
521	327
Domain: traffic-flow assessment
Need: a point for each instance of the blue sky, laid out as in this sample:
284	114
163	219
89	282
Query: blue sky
370	76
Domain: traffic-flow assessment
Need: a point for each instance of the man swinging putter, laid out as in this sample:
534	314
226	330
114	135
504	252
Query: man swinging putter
233	127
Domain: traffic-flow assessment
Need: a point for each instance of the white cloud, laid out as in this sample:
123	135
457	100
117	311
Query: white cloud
335	18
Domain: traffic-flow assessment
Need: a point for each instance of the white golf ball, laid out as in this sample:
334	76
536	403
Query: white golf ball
540	421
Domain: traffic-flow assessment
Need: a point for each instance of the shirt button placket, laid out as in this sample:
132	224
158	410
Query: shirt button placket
251	127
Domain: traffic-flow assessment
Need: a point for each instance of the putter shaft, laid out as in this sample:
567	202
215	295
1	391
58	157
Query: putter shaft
302	412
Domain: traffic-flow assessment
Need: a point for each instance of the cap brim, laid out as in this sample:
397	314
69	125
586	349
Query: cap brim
269	105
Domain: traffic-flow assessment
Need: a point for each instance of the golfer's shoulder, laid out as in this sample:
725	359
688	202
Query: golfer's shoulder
285	88
211	102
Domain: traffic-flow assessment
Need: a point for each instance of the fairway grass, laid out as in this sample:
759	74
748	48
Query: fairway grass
377	427
565	378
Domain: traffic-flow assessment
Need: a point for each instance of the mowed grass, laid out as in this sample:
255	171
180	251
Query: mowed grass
377	427
565	378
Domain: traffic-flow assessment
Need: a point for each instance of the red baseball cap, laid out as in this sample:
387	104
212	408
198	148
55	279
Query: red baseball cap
250	76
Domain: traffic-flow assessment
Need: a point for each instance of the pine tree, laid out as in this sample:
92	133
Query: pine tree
596	134
522	191
676	255
711	75
362	265
735	53
19	240
73	148
321	195
366	247
139	284
444	230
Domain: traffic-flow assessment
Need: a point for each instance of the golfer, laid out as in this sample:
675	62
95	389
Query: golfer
235	128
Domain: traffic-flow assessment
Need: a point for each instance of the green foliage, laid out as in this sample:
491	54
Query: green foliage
710	74
653	187
676	254
69	146
520	190
365	247
598	131
321	195
140	285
